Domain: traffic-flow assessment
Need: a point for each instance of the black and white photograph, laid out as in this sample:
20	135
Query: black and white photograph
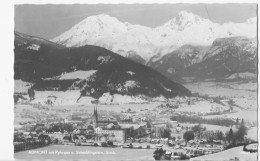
171	81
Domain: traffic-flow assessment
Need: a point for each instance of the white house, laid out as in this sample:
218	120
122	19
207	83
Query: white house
114	135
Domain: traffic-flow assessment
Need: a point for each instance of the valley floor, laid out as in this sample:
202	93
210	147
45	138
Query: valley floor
208	96
242	94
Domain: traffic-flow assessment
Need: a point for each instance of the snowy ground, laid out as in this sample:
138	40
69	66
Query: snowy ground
59	98
21	86
250	116
70	97
244	96
202	106
25	113
245	75
74	75
209	127
252	133
77	75
226	155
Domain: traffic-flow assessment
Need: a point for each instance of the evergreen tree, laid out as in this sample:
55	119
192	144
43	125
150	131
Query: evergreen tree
166	133
31	93
230	135
188	135
240	134
242	122
158	153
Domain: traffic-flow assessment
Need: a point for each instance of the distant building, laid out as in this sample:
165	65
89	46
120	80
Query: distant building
102	123
105	123
66	120
173	124
140	129
178	128
113	135
82	130
138	118
103	129
159	124
76	117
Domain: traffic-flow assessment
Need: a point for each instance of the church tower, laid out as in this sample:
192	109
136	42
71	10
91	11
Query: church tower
96	116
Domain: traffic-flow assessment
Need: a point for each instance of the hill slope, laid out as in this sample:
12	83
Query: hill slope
225	57
178	60
42	63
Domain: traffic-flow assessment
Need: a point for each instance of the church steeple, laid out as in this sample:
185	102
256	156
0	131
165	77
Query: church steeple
96	114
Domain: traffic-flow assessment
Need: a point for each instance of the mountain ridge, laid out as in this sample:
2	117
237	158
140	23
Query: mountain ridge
145	42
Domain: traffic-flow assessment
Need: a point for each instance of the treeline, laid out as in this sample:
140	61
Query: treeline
196	119
54	85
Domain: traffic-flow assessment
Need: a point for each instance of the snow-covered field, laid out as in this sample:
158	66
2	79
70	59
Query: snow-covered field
244	95
252	133
112	107
77	74
59	98
225	89
226	155
209	127
203	106
21	86
245	75
250	116
25	113
80	74
70	97
120	99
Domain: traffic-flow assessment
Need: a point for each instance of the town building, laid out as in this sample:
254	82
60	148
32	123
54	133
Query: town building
112	135
103	129
96	122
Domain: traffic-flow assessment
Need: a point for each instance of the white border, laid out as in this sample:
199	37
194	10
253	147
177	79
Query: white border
131	1
6	65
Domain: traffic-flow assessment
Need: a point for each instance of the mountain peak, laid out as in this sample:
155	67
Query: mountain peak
182	20
124	38
185	14
101	18
91	28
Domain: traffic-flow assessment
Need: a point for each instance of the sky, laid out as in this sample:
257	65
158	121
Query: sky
49	21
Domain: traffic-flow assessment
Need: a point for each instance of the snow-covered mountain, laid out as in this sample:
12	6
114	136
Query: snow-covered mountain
178	60
225	57
141	43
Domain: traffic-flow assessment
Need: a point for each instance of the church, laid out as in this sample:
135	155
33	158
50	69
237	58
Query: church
96	122
103	131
